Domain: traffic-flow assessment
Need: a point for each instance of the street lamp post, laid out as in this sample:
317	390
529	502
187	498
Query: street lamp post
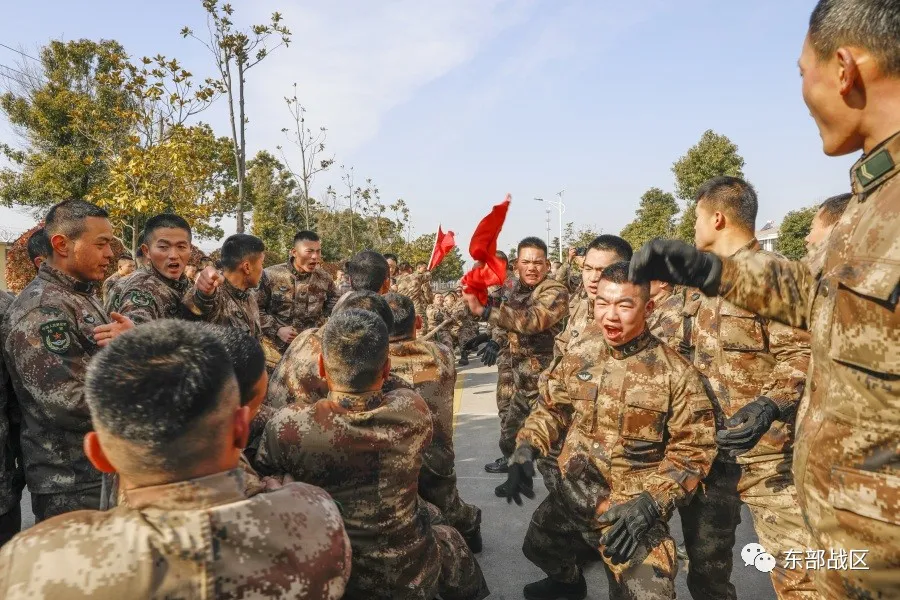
561	208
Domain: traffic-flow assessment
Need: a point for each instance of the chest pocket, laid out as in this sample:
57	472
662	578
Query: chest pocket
740	330
865	323
584	401
643	428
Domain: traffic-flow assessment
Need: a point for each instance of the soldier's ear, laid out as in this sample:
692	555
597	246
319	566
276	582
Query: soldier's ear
418	322
241	427
94	451
322	373
648	308
386	370
61	244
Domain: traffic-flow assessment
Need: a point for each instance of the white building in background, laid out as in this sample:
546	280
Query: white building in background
767	236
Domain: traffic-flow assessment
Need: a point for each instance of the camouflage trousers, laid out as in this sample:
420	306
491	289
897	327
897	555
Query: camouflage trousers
505	387
710	520
45	506
461	577
559	546
421	310
10	523
438	487
526	371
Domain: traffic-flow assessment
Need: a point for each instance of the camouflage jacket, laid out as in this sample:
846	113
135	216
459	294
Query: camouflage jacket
846	458
112	298
532	317
227	306
48	339
742	356
147	295
581	313
201	538
111	281
669	323
416	287
640	421
366	451
288	298
569	277
465	325
9	438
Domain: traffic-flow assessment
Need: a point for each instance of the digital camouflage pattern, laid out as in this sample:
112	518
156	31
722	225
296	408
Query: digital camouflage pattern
288	298
846	458
532	317
48	335
228	306
108	285
436	316
201	538
429	369
366	451
465	325
581	313
112	298
638	420
11	473
668	322
571	278
147	295
417	287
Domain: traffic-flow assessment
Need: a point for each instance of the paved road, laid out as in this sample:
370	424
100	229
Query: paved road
503	525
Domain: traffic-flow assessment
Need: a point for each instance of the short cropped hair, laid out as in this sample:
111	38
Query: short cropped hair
870	24
404	313
833	209
355	348
39	245
67	218
367	270
618	273
391	256
421	263
153	386
732	196
370	301
125	257
532	242
306	236
614	244
405	266
239	247
164	221
247	358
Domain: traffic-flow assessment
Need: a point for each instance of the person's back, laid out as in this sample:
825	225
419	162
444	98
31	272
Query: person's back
167	420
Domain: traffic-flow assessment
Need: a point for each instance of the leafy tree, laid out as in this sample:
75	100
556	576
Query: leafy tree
793	230
655	218
235	52
712	156
271	188
60	157
573	238
419	250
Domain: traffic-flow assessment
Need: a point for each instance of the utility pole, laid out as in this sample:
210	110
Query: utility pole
561	208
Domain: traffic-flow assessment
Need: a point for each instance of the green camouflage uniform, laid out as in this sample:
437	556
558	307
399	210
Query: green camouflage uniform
227	306
288	298
147	295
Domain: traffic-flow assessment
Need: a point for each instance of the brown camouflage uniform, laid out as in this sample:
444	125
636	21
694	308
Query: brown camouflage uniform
532	317
465	325
570	278
48	339
638	420
288	298
366	451
742	356
201	538
669	323
846	457
147	295
430	370
12	476
227	306
296	378
417	287
436	317
504	363
111	281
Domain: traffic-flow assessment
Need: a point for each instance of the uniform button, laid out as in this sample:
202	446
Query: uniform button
814	386
702	366
596	445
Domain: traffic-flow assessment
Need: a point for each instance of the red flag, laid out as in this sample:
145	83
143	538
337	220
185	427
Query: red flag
483	248
443	243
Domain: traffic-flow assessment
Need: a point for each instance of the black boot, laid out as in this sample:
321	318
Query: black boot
463	358
548	589
498	466
500	490
473	540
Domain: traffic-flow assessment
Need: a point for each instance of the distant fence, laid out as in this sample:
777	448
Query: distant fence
442	287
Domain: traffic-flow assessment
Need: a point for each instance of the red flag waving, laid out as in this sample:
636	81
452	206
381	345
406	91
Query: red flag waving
489	270
443	243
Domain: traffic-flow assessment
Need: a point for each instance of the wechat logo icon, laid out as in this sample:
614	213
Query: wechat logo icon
754	555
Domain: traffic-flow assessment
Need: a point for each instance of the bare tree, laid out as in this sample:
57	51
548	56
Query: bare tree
347	178
310	146
236	52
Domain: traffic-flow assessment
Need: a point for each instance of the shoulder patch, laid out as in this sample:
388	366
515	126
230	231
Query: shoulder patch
55	336
585	376
139	298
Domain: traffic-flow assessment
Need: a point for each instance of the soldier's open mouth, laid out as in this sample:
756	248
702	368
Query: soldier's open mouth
612	333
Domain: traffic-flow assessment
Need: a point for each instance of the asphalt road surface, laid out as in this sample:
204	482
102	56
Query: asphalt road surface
504	526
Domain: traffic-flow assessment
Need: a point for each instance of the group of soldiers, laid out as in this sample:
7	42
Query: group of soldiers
244	431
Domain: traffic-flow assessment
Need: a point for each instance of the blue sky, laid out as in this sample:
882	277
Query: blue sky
452	104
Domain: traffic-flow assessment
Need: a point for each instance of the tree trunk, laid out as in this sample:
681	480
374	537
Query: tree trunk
134	237
243	148
234	139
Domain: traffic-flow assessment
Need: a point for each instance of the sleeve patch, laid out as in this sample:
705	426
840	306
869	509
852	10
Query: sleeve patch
55	336
139	298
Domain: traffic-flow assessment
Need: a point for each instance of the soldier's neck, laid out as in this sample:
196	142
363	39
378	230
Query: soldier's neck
59	265
882	118
730	241
238	280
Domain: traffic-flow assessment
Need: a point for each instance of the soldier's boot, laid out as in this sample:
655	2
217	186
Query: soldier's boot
500	490
498	466
550	589
463	357
473	540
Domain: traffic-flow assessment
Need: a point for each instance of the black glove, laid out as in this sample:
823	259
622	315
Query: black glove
630	523
476	341
677	262
488	353
747	426
521	474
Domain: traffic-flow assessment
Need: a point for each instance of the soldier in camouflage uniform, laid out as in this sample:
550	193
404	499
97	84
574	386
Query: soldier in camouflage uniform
12	476
568	274
846	294
38	248
229	298
157	291
429	369
668	320
125	267
296	295
532	316
436	316
364	447
641	440
417	287
48	340
166	411
464	328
